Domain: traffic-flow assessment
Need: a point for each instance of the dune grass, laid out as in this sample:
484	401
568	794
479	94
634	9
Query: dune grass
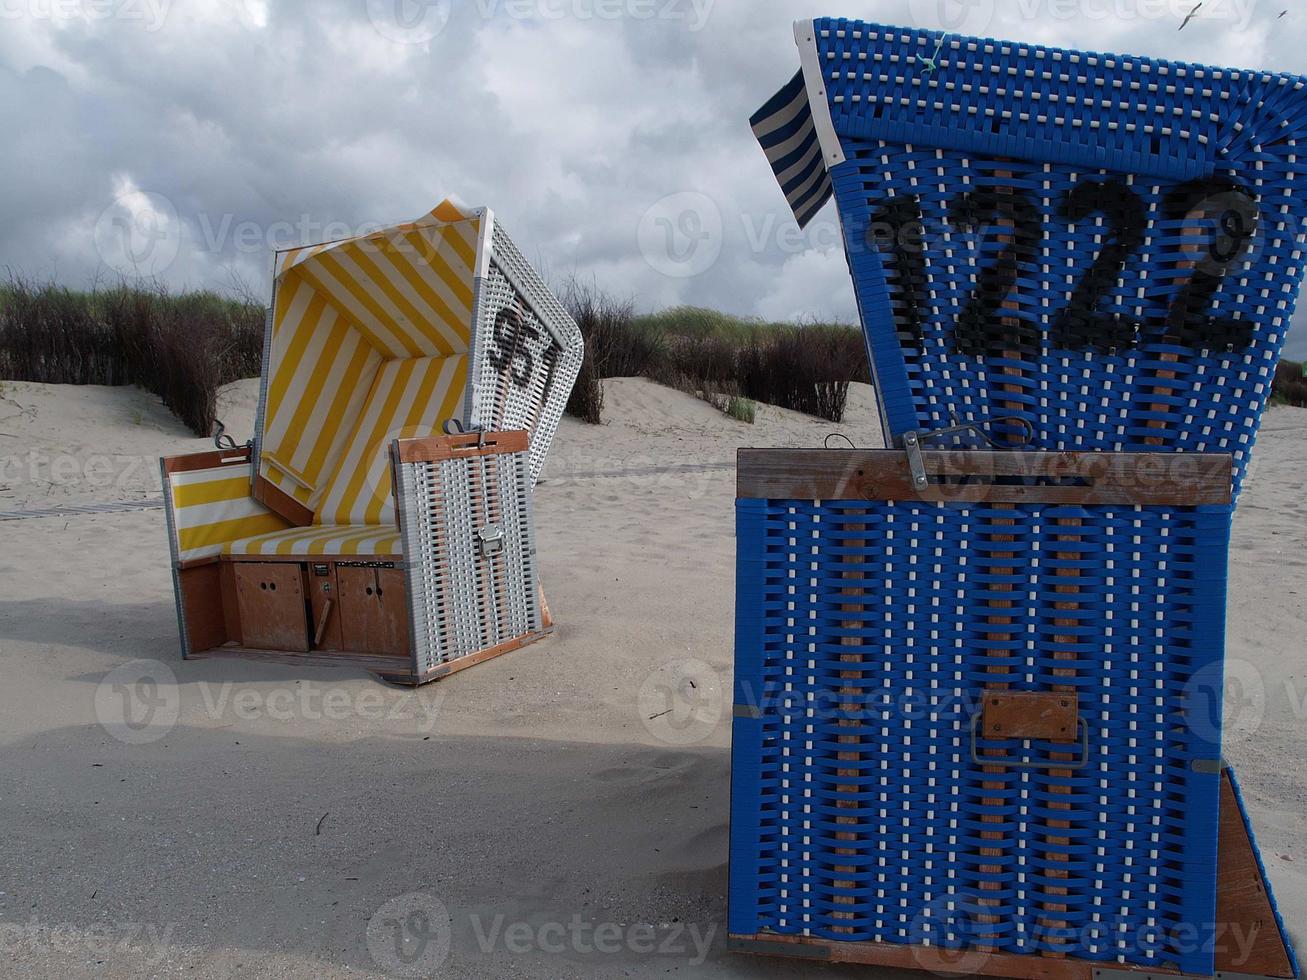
181	347
1290	386
731	362
184	347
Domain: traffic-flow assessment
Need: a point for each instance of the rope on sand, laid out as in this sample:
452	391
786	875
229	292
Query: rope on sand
155	503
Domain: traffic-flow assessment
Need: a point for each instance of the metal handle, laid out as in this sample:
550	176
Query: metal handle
1082	730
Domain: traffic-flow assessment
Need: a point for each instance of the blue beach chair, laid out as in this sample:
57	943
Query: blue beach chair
978	675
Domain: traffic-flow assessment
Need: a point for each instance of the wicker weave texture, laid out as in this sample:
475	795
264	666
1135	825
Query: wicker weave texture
527	352
468	596
1108	247
867	634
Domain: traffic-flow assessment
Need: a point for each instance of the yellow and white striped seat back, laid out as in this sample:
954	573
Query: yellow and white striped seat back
409	399
343	311
362	325
209	507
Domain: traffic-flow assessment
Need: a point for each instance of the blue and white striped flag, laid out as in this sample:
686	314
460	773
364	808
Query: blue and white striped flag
784	128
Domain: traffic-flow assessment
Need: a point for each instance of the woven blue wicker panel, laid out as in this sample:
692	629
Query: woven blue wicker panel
866	633
1109	247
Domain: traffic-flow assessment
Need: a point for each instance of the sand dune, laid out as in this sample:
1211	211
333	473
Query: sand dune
536	787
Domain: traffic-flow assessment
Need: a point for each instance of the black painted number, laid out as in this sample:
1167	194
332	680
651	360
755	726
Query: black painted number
984	328
1220	216
1231	213
897	230
509	351
1080	326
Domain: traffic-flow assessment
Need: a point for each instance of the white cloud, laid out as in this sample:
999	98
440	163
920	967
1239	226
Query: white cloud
570	122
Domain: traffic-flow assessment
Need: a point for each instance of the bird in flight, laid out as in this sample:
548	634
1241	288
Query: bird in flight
1191	15
1282	13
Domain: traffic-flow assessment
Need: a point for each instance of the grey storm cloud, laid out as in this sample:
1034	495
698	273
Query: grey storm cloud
223	128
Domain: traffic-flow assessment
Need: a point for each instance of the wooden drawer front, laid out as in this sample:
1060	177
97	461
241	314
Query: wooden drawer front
373	610
270	596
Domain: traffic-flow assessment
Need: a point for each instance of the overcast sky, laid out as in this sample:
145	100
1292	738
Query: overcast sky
221	127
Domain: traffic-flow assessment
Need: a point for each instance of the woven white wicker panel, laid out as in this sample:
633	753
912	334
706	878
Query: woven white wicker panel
470	551
526	352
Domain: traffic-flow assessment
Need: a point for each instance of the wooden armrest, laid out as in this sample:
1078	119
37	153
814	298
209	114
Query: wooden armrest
206	460
432	449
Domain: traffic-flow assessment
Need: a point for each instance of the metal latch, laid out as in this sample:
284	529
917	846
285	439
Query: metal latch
491	539
913	441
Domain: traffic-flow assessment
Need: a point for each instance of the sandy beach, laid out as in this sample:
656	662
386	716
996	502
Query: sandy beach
564	810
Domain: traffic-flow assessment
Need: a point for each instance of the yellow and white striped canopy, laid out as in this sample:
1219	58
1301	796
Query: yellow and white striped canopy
369	343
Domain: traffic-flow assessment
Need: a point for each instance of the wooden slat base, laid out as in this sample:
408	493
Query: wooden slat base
471	660
942	962
1251	944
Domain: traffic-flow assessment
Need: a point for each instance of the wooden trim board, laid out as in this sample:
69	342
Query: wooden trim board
280	502
205	460
471	660
432	449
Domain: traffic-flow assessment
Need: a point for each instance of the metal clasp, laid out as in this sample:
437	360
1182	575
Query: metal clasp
491	539
913	441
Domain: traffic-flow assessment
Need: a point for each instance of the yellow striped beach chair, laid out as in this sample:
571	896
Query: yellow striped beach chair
352	529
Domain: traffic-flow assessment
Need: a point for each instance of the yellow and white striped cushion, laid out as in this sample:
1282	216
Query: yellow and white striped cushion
334	540
212	507
410	399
